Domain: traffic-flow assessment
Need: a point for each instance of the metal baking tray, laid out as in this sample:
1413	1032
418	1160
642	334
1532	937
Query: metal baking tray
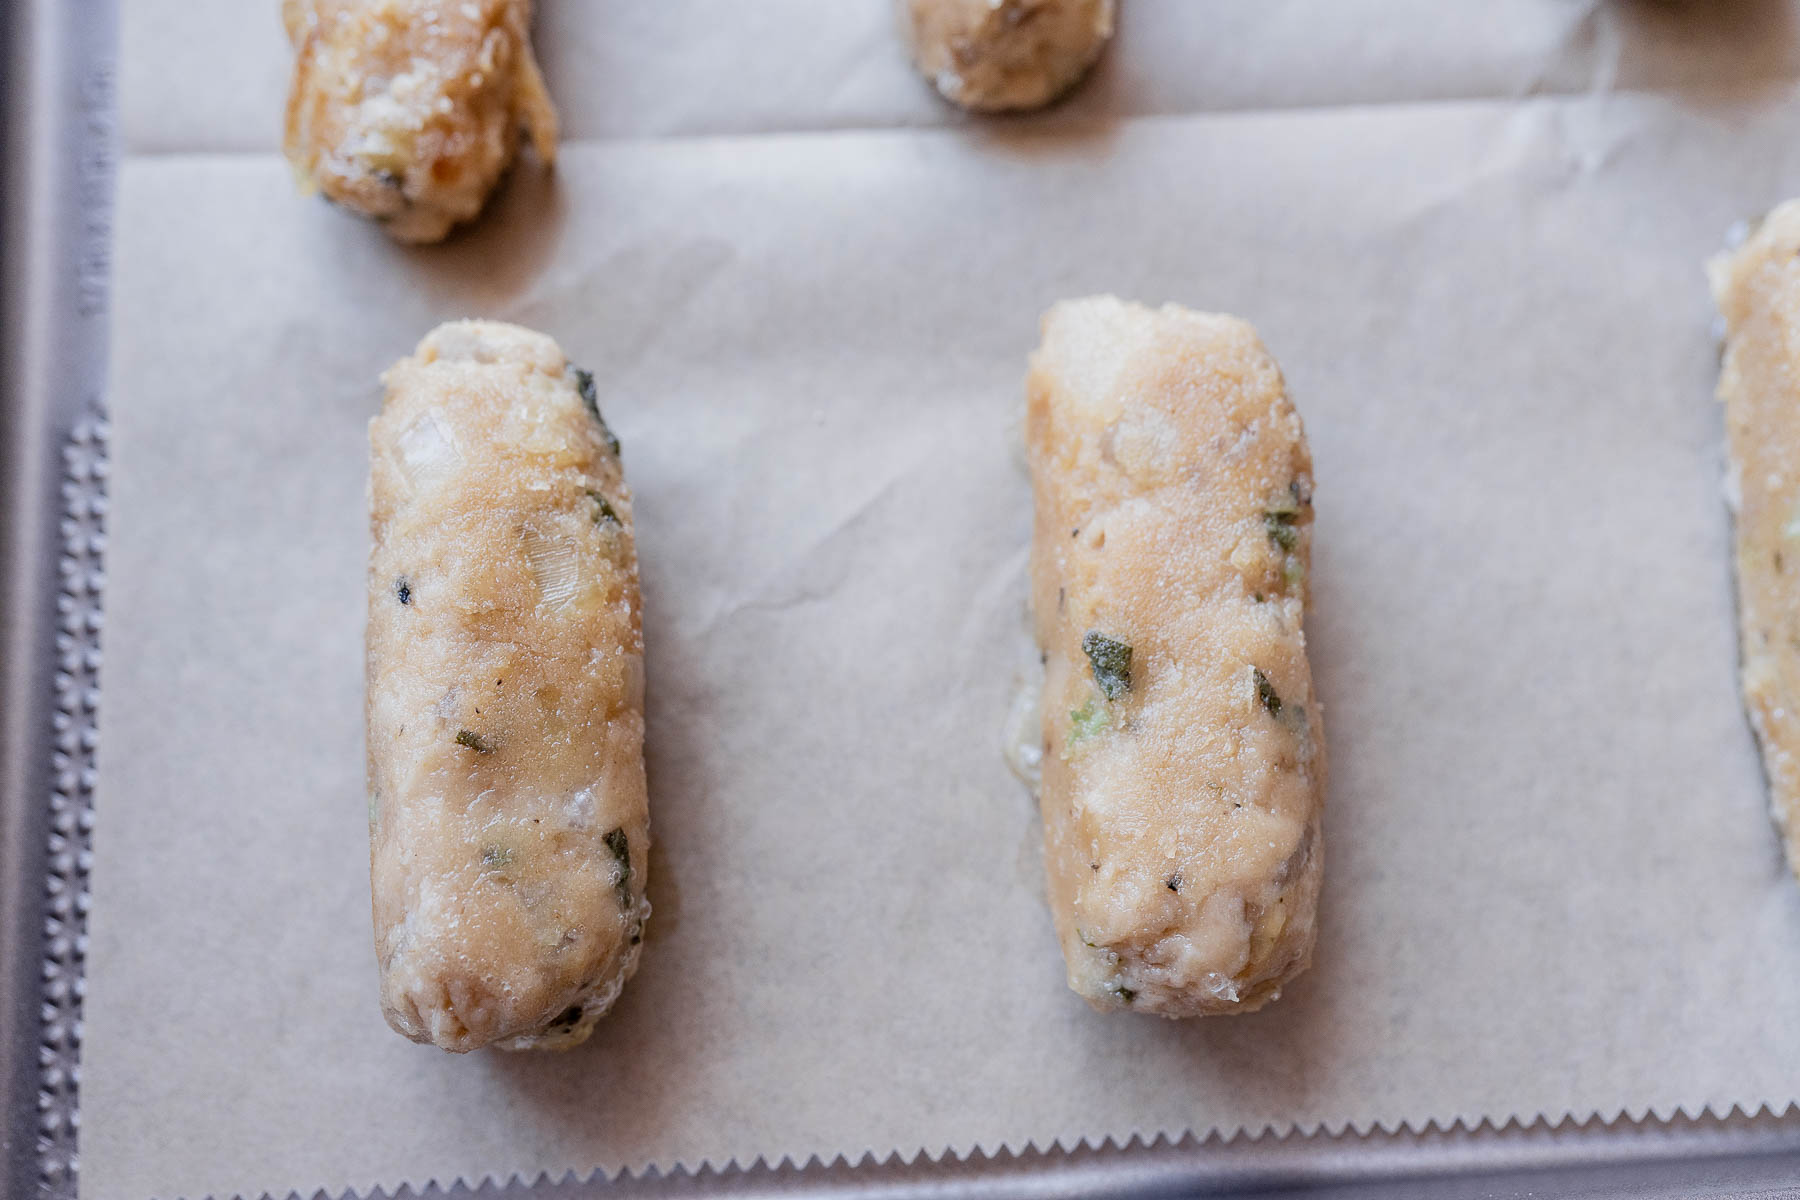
57	152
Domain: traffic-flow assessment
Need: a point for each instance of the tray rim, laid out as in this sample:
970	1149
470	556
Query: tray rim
57	159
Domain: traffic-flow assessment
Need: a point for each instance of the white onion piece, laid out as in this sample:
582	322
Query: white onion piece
426	451
555	564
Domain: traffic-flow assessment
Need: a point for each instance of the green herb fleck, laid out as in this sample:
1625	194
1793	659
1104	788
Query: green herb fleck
1282	513
496	859
603	509
1111	661
584	383
474	741
620	845
1127	994
1265	691
1293	571
1088	721
1280	527
403	590
1173	882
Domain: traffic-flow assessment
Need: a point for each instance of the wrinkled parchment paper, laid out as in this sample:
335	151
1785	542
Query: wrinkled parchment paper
1551	883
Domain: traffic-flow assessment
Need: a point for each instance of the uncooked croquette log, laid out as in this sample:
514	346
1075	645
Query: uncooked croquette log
509	827
409	110
1758	291
997	55
1184	762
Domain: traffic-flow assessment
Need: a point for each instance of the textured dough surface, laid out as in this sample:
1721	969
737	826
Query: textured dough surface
409	110
999	55
1182	794
509	825
1758	291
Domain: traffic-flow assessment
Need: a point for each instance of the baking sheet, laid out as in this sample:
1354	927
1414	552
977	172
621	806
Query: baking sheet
1551	884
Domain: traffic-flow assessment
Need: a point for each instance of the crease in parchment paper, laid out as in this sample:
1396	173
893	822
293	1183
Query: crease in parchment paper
812	576
1551	885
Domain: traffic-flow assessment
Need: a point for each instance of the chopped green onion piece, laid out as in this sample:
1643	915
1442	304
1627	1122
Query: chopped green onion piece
603	509
474	741
1280	528
1265	691
1088	721
584	383
1111	661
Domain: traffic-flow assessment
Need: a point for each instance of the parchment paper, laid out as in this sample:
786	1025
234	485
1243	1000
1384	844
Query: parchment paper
1551	889
210	75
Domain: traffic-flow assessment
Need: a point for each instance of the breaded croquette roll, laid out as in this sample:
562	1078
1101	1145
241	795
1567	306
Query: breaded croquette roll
1757	287
1005	55
508	819
409	111
1184	762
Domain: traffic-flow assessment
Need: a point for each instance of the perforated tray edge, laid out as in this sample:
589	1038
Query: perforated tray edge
56	175
56	160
